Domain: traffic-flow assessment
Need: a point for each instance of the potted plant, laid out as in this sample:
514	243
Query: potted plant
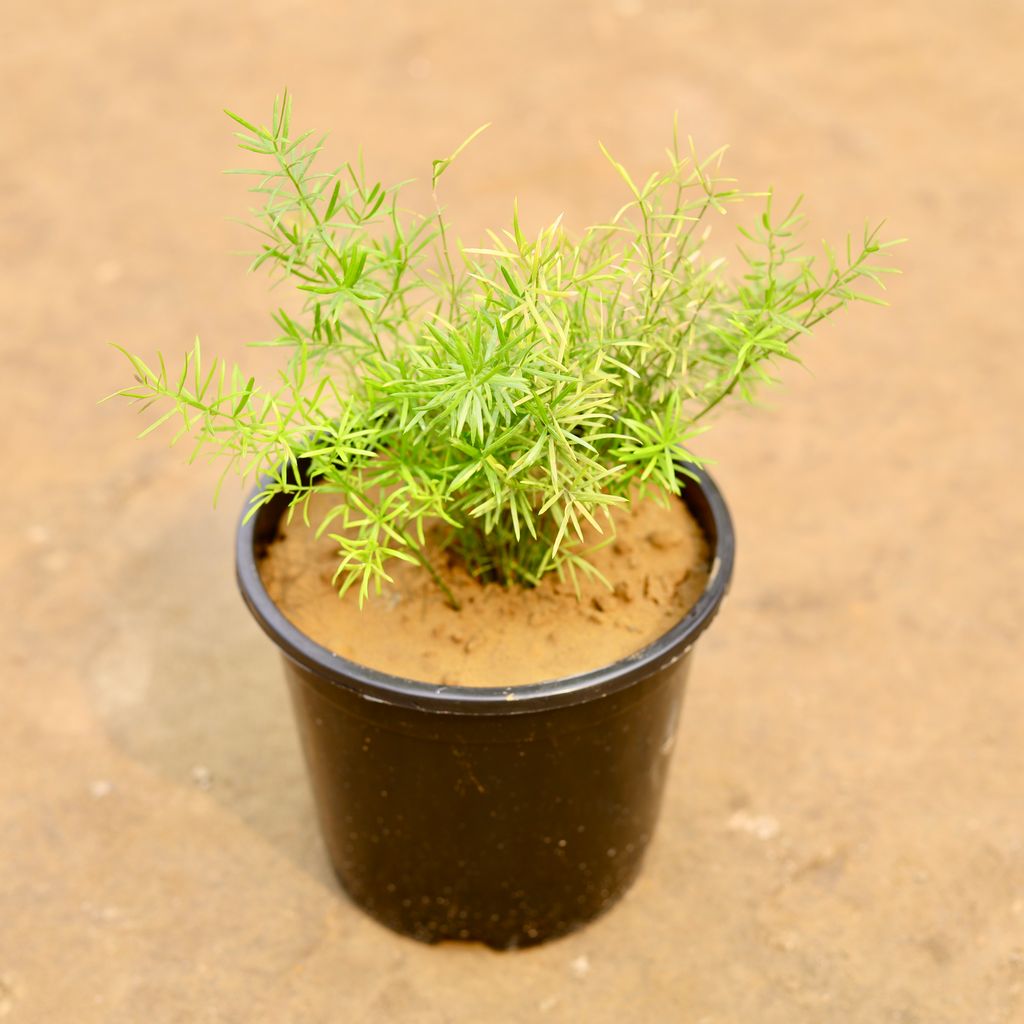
478	535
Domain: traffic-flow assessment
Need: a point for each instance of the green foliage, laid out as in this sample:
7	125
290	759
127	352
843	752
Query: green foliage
511	392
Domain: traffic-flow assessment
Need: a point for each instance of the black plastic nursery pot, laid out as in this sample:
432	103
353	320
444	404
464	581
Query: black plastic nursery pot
504	815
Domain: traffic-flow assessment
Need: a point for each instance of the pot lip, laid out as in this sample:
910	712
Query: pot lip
381	687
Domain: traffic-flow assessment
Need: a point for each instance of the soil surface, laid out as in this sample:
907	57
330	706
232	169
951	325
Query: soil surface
500	636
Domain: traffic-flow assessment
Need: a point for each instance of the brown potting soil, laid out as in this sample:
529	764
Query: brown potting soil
657	566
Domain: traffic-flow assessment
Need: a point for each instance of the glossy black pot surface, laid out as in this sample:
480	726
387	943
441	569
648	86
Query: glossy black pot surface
505	815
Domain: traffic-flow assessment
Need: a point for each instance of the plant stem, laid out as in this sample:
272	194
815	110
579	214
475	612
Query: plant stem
721	397
452	600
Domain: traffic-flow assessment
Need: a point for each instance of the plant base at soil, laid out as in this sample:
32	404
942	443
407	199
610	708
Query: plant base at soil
657	565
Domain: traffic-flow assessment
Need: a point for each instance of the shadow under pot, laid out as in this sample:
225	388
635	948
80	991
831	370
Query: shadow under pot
504	815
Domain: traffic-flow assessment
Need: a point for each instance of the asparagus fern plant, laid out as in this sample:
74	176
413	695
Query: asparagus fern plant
512	392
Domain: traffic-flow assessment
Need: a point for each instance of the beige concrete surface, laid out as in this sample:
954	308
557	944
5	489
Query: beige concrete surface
843	840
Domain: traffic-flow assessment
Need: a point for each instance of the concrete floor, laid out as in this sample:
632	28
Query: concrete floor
843	839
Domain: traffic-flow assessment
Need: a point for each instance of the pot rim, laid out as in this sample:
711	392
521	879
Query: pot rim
384	688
